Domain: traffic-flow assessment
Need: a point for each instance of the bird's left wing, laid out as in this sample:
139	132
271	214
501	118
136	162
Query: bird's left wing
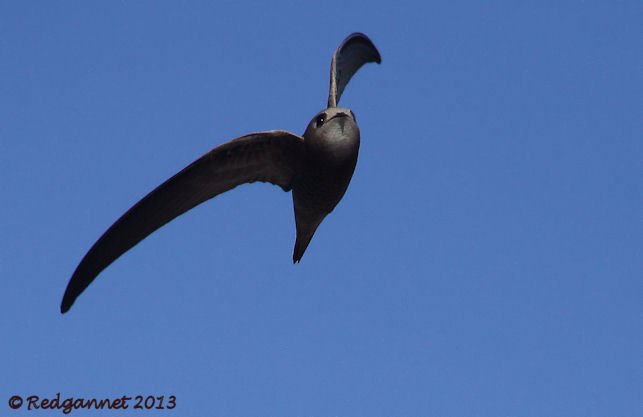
355	51
265	156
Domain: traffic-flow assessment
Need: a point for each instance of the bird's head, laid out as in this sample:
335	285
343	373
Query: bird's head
334	125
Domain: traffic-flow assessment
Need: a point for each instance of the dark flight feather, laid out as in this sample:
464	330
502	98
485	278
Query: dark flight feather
264	156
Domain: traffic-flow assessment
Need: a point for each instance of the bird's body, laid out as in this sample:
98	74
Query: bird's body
317	168
328	162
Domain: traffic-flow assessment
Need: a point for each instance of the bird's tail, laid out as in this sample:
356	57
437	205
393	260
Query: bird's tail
306	228
300	247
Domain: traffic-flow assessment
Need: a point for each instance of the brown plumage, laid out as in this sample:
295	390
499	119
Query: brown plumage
317	167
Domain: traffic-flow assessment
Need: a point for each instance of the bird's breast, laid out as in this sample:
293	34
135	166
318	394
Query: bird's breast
326	172
338	146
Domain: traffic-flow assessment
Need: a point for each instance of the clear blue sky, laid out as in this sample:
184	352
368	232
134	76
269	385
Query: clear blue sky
485	261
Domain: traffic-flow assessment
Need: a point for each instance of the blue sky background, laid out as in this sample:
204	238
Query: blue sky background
485	261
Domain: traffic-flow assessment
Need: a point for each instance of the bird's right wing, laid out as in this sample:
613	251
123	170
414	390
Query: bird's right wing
265	156
355	51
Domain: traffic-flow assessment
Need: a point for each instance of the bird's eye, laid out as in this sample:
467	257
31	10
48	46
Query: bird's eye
320	120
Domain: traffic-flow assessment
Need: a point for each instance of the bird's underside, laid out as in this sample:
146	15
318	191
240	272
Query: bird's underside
278	157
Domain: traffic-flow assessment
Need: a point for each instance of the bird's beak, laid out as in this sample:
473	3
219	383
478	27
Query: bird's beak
340	114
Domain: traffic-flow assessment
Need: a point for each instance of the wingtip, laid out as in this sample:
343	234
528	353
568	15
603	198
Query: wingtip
65	306
362	37
67	301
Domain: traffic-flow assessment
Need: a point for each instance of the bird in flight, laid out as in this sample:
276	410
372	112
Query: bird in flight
317	168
